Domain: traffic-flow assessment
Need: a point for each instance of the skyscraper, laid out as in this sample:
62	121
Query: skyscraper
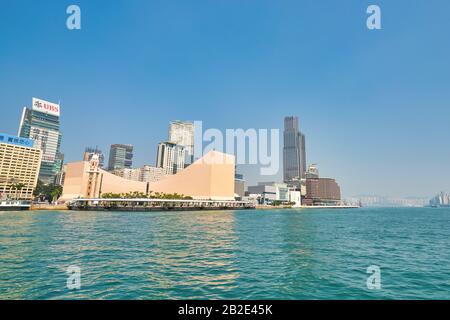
120	156
59	163
294	151
42	124
182	133
170	157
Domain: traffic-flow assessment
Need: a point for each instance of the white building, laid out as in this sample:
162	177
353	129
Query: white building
182	133
295	197
128	173
170	157
270	191
143	174
152	174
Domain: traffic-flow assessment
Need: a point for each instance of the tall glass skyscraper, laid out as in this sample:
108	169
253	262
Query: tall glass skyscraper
120	156
42	124
294	152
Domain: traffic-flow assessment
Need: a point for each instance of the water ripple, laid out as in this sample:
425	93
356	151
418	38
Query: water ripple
280	254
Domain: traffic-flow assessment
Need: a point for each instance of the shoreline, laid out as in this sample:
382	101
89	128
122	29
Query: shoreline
259	207
64	207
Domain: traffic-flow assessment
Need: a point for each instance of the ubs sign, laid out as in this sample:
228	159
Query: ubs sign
46	107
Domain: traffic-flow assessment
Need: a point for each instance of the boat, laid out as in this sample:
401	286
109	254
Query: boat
14	205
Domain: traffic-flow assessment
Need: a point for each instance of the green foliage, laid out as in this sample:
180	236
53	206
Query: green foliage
277	203
16	186
141	195
56	192
39	188
47	191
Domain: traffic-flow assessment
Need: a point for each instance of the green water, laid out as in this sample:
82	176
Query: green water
280	254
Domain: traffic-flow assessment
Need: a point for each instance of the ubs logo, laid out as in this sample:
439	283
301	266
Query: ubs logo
46	106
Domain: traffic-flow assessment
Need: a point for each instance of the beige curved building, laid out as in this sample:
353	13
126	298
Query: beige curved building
210	177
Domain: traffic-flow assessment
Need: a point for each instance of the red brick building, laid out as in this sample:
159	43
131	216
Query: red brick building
322	191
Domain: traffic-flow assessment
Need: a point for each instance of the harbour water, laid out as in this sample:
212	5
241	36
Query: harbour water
254	254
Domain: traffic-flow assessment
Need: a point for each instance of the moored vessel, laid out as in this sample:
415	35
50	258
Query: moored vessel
14	205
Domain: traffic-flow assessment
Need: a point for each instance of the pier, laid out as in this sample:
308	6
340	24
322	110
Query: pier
156	205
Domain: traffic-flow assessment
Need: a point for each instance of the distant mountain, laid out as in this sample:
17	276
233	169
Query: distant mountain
386	201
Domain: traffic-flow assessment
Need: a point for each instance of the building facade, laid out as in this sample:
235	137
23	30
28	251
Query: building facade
59	163
313	172
170	157
322	191
20	162
128	173
294	151
89	152
239	185
41	123
144	174
120	156
268	192
152	174
209	178
295	198
61	175
182	133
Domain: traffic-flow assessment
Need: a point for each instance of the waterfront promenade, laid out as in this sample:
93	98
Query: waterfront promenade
167	204
156	204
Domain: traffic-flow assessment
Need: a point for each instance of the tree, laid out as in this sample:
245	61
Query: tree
39	188
47	191
17	186
142	195
56	193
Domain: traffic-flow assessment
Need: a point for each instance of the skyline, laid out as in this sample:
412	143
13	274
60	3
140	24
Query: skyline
372	105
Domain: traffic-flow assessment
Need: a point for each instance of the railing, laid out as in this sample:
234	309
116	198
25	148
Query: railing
156	204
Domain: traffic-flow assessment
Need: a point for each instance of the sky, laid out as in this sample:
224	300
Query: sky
374	104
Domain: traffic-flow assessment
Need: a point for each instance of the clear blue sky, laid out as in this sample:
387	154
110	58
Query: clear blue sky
374	105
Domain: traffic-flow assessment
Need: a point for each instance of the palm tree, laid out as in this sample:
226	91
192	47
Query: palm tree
14	184
20	187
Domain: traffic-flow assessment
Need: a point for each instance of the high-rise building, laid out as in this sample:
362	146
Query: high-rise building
59	163
294	151
120	156
170	157
61	175
42	124
89	152
19	167
182	133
